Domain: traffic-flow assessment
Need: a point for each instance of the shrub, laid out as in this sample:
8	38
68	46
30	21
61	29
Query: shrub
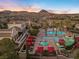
7	49
34	32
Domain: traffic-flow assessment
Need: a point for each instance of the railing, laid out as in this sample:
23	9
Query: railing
21	35
22	39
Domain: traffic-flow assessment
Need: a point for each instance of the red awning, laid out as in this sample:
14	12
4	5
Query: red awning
31	37
29	40
77	38
30	43
51	49
40	49
76	45
61	41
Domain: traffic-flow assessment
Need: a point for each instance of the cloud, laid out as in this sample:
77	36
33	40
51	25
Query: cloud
74	11
13	6
64	11
8	5
33	8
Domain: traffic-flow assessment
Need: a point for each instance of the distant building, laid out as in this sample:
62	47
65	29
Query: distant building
77	26
5	33
19	24
9	33
14	27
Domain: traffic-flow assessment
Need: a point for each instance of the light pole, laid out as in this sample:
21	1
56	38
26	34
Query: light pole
29	23
26	49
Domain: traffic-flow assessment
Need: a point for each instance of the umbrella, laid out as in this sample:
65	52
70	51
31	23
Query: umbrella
44	43
51	49
30	43
76	45
69	41
61	41
40	49
77	38
31	37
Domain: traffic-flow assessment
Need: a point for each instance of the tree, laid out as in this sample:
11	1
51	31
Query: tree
7	49
77	57
3	25
76	54
33	31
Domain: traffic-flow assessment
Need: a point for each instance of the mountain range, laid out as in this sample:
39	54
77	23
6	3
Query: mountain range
41	15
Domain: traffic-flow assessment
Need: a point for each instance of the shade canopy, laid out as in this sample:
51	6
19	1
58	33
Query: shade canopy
51	49
77	38
61	41
40	49
69	41
30	40
31	37
76	45
30	43
44	43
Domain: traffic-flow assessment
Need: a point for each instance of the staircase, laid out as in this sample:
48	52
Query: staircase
21	39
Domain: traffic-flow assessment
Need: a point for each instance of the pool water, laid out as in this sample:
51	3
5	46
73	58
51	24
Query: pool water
59	32
44	43
56	39
69	41
46	37
51	32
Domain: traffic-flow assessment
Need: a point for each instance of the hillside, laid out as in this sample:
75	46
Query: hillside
42	15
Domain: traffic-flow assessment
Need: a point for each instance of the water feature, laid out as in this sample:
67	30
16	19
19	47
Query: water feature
54	32
44	43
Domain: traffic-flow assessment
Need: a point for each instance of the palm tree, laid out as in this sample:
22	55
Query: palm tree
45	26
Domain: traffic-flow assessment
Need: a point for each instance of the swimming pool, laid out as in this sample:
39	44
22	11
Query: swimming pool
55	38
58	32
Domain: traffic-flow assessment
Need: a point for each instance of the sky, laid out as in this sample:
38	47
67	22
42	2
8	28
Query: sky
70	6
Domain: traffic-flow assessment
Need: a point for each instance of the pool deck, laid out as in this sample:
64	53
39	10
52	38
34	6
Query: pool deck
51	40
40	38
